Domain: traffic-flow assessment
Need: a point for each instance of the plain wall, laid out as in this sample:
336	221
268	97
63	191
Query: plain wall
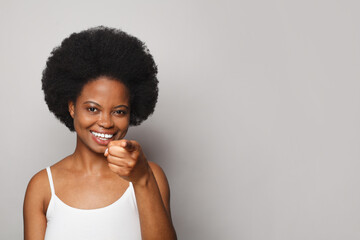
257	123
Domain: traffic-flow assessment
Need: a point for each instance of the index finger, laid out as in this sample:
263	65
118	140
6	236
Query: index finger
129	145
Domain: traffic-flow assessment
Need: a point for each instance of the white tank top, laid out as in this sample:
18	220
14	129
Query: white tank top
119	220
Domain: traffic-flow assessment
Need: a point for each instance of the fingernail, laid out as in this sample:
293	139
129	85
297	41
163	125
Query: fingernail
106	151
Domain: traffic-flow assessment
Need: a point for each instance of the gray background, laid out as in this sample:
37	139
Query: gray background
257	124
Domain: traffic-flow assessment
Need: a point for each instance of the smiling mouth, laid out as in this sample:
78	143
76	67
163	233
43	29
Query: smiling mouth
102	136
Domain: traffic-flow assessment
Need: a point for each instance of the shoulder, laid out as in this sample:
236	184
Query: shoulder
38	182
38	190
156	168
162	182
159	174
34	210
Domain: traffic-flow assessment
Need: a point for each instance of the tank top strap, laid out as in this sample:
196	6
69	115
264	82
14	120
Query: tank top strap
50	181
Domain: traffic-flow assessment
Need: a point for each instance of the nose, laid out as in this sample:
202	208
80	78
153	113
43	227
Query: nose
105	121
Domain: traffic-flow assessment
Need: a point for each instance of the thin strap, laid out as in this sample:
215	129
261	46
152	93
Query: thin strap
133	194
50	181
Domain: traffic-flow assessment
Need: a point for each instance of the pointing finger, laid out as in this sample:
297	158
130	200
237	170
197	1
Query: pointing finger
129	145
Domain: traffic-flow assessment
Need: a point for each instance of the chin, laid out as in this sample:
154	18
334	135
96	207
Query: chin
98	150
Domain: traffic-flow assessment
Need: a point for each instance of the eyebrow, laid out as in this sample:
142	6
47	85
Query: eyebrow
118	106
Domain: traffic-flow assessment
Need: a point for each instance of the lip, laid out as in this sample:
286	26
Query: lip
104	132
102	141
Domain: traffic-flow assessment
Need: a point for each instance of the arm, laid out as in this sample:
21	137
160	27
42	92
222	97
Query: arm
153	200
33	209
150	185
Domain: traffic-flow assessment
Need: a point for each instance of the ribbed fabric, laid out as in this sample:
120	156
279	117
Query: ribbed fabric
117	221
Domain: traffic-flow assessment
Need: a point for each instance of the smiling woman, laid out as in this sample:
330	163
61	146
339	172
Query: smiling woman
102	113
98	83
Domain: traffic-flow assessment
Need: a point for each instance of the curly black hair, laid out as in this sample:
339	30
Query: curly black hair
95	52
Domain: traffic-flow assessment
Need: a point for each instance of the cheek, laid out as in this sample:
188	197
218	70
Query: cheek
123	133
123	125
83	120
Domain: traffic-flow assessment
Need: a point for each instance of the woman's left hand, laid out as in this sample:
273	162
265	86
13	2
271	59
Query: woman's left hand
126	158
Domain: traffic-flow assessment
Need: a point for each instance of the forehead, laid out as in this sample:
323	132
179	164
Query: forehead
104	90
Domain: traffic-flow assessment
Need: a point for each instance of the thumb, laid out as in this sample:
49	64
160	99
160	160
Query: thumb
106	153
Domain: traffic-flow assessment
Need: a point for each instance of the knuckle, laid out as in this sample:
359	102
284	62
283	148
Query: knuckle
126	172
131	164
113	167
136	154
110	150
110	159
122	150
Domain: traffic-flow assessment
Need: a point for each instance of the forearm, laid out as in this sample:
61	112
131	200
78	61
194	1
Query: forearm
155	219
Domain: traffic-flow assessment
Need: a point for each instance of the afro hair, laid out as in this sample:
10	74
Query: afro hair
100	51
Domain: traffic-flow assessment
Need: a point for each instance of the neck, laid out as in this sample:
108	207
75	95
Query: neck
88	161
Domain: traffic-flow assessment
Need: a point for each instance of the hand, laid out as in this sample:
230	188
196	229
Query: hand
126	159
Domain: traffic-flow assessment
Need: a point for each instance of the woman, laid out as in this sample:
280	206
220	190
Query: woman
98	83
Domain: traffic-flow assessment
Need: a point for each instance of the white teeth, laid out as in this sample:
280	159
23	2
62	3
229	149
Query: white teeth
102	135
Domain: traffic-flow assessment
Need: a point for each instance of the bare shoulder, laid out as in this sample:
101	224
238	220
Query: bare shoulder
34	212
38	190
162	183
39	181
158	173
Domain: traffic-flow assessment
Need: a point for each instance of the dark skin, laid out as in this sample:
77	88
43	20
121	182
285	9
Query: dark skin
93	177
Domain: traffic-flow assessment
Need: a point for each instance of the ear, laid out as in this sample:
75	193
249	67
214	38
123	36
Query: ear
71	107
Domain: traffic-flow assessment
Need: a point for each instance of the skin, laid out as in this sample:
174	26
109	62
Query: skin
92	178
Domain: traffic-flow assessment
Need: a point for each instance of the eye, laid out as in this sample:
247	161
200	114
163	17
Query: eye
92	109
120	112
